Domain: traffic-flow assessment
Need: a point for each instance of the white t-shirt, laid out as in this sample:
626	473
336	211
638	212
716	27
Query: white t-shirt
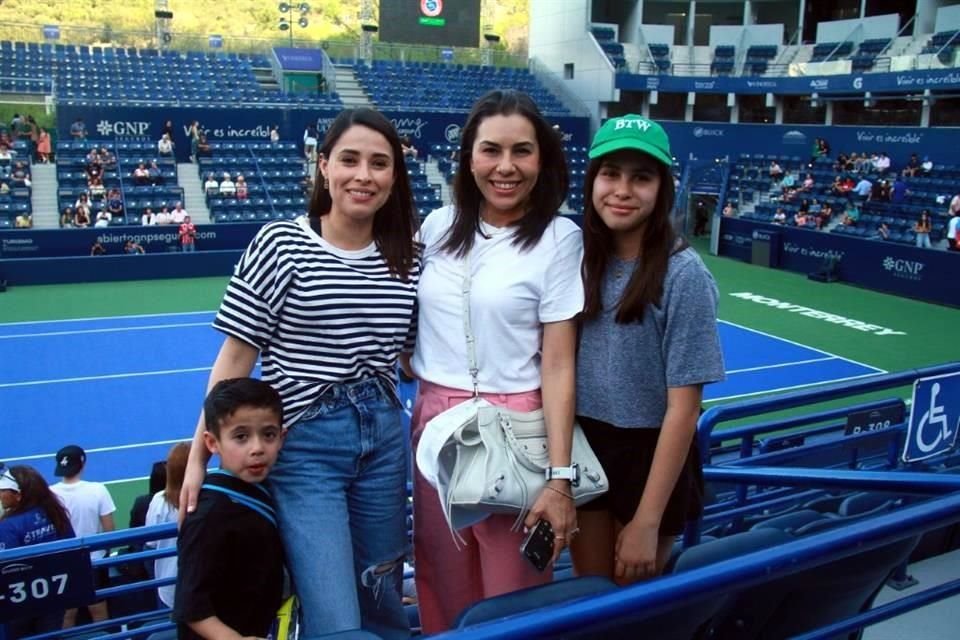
952	227
161	512
85	502
177	216
512	294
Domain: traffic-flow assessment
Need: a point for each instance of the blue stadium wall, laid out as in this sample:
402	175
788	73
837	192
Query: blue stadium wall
226	124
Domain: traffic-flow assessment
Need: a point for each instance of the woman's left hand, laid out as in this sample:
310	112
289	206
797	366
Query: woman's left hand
556	507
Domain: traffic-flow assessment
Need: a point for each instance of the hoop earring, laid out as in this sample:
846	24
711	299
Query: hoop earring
326	184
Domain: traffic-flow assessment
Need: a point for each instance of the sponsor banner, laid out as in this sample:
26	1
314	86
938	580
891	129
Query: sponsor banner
294	59
424	128
903	270
717	140
894	82
54	243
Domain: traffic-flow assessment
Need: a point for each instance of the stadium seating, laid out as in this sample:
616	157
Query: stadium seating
831	51
605	37
723	60
943	43
17	201
759	57
117	74
414	86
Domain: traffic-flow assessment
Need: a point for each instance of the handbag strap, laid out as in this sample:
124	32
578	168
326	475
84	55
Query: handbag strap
467	328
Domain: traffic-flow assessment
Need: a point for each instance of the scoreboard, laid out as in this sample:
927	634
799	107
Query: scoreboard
445	23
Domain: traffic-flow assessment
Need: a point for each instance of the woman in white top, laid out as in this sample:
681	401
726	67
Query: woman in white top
148	219
163	509
525	292
165	145
227	187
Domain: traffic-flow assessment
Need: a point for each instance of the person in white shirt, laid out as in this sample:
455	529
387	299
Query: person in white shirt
179	214
165	145
91	512
148	219
103	218
211	187
163	509
952	228
883	163
525	293
164	217
227	187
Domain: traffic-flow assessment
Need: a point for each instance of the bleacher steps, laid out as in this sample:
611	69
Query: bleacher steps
349	89
44	196
435	177
194	201
265	79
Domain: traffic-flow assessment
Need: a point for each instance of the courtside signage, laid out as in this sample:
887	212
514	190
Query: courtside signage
934	417
816	314
39	584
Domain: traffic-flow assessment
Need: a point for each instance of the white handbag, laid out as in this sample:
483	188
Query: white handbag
484	459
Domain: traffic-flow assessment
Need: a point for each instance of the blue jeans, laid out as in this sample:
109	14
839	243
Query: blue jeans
340	490
189	247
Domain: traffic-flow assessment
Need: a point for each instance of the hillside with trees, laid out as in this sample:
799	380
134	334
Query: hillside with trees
131	22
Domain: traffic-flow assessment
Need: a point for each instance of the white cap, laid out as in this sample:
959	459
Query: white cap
7	481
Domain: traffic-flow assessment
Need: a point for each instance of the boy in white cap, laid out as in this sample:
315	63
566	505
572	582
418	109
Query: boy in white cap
91	511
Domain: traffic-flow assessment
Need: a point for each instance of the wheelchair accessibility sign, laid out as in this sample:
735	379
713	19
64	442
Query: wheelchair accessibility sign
934	417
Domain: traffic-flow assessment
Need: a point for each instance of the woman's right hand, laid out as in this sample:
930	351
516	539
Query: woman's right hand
192	480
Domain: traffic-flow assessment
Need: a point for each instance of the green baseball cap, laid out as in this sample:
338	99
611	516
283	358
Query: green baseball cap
632	132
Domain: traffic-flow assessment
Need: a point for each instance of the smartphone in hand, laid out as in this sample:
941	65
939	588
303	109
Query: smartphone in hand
537	547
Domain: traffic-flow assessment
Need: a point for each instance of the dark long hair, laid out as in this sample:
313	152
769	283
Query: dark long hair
396	222
659	243
547	195
35	492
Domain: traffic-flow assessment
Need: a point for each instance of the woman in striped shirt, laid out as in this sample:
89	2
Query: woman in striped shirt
328	302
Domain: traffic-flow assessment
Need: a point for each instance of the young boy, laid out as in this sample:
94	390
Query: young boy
230	565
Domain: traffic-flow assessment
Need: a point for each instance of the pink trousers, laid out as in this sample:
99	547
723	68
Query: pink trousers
490	564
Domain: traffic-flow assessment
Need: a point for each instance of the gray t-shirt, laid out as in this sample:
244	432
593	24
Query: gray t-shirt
624	370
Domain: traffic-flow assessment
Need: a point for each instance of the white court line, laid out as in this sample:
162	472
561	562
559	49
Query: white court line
781	364
94	318
790	388
120	447
110	376
805	346
146	327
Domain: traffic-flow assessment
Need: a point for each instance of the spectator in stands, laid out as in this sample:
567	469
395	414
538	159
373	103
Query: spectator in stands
115	203
837	187
953	232
800	217
141	177
147	218
97	249
306	186
841	164
926	166
107	159
409	151
242	191
179	214
780	217
157	481
817	151
31	514
103	219
857	163
155	174
882	232
78	130
814	208
275	134
93	158
954	208
165	145
824	148
310	136
203	147
132	248
187	234
82	206
44	148
808	183
823	217
230	565
23	220
95	188
163	217
508	191
227	187
639	411
863	189
851	214
789	181
899	191
211	187
729	211
775	171
365	203
922	228
882	163
15	125
91	511
6	160
912	168
66	218
163	507
880	191
20	176
700	219
167	129
4	188
193	132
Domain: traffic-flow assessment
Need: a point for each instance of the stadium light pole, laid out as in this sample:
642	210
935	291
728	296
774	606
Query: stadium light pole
287	24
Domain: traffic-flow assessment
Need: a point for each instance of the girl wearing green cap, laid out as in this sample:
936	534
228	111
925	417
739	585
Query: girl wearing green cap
648	344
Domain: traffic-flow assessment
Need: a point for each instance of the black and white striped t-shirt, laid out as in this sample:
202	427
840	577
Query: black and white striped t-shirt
317	313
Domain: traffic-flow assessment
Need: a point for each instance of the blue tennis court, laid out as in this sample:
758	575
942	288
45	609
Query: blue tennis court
126	388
